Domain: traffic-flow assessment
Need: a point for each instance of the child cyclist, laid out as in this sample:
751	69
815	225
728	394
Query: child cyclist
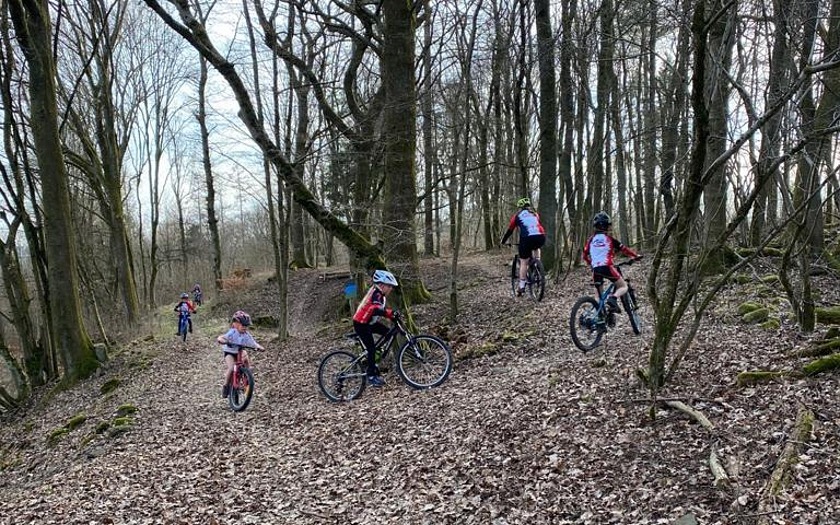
599	252
366	319
185	306
531	237
233	340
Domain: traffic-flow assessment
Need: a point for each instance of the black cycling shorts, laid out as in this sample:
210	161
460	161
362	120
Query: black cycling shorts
529	244
611	273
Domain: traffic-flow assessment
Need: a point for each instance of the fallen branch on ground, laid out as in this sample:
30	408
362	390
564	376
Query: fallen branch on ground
780	476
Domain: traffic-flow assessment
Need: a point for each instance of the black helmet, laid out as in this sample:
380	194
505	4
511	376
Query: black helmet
601	221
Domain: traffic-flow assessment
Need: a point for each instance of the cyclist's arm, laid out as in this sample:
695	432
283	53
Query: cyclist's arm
626	250
511	228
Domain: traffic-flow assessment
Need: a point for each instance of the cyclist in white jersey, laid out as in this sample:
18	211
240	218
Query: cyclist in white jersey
531	237
600	251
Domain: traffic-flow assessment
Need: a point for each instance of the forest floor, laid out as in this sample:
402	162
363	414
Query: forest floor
527	430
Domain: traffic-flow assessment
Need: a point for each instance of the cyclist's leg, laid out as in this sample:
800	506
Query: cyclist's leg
230	360
538	241
620	283
365	334
524	259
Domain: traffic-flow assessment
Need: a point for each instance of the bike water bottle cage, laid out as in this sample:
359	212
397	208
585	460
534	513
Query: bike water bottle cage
384	277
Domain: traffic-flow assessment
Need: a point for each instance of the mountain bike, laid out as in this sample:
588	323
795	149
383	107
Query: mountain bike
591	318
241	383
183	324
422	361
535	277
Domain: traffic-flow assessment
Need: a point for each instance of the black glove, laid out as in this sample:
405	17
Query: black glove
396	315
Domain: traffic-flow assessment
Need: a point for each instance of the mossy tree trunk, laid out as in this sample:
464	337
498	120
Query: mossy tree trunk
11	400
400	202
35	356
34	32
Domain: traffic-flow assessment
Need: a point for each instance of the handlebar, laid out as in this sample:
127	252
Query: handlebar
245	347
629	262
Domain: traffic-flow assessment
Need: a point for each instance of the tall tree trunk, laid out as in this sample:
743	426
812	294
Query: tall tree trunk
567	111
428	153
650	141
715	195
35	356
400	135
673	107
771	139
209	181
33	30
675	240
548	130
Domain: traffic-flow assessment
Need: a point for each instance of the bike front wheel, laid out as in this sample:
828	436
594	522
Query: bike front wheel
536	280
585	325
183	326
424	362
242	389
630	306
341	376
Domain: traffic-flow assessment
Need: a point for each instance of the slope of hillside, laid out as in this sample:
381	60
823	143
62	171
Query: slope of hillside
527	430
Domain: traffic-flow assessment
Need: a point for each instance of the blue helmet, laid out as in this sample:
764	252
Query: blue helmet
384	277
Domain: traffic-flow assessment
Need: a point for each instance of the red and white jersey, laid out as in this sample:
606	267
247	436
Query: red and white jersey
601	248
528	223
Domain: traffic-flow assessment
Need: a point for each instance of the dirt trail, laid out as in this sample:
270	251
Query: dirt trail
533	432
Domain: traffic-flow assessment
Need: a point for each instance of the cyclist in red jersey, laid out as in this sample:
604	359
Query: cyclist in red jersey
187	306
599	252
366	319
531	236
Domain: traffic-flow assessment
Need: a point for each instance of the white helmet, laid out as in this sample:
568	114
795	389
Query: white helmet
384	277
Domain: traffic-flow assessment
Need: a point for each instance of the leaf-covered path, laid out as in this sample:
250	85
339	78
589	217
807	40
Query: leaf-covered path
531	432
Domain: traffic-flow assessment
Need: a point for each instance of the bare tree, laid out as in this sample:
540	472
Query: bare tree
548	128
103	134
32	25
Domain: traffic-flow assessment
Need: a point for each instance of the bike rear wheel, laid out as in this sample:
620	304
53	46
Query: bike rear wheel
630	306
514	276
341	376
240	395
585	325
536	280
424	361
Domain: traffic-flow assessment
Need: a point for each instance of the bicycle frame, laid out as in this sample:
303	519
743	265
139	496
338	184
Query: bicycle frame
183	323
237	364
384	343
534	275
603	294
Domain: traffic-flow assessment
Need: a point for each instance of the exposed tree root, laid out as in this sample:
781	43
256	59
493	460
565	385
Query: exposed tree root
718	471
780	476
693	412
